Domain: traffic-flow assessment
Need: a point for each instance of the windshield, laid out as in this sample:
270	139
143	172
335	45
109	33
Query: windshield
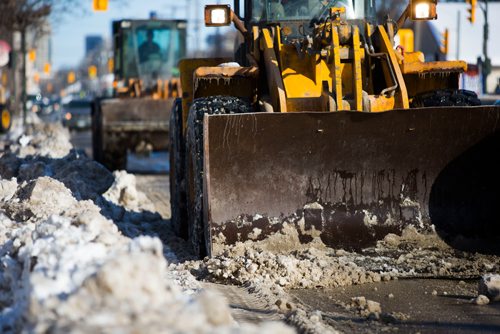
284	10
152	52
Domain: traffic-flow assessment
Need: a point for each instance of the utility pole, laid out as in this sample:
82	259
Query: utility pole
197	25
486	65
458	36
16	47
24	76
484	62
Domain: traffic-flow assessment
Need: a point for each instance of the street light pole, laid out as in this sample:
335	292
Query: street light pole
23	77
486	64
458	36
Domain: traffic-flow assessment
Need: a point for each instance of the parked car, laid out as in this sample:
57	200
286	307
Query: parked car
77	114
39	104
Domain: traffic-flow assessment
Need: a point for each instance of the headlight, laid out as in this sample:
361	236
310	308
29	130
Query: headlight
423	10
217	15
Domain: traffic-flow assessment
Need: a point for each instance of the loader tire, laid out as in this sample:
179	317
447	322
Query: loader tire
177	172
114	152
96	131
199	234
446	97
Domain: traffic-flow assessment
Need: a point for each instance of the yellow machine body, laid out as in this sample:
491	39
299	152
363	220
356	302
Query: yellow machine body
337	141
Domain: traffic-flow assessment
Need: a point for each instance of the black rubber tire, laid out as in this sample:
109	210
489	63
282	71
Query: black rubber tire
107	148
96	131
114	157
445	97
5	120
199	235
177	172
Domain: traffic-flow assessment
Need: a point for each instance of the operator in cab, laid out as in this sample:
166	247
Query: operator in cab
148	47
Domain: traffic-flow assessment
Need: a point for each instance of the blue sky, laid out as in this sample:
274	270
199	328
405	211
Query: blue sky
68	38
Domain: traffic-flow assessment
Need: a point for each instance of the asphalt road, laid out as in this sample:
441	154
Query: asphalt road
411	308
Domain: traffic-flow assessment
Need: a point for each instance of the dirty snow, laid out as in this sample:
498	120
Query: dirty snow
489	285
270	271
81	250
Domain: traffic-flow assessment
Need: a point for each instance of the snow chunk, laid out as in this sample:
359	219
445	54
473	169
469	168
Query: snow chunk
7	189
489	285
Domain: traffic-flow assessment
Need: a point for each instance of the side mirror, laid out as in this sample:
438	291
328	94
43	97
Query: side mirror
423	10
217	15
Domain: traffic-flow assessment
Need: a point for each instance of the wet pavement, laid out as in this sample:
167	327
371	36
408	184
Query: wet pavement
415	306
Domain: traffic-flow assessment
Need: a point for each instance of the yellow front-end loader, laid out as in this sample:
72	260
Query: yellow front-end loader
322	124
136	118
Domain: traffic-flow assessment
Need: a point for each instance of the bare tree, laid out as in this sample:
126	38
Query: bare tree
31	15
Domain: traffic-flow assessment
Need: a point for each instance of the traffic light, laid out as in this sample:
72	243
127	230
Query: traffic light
71	77
111	65
46	68
472	10
100	5
444	42
92	71
32	55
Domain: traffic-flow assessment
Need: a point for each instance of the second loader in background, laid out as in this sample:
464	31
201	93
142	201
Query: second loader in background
146	54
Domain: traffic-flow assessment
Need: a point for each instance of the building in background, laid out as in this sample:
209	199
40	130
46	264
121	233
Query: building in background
39	59
92	43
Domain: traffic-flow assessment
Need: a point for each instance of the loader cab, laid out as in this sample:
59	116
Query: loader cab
300	10
148	50
277	11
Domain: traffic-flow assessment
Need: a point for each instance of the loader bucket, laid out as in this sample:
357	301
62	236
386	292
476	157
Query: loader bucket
125	124
350	178
136	114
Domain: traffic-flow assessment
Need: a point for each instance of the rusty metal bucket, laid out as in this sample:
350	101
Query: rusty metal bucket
122	124
352	177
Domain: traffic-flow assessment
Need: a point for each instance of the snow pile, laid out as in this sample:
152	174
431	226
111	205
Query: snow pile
410	255
310	268
124	192
46	139
78	253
